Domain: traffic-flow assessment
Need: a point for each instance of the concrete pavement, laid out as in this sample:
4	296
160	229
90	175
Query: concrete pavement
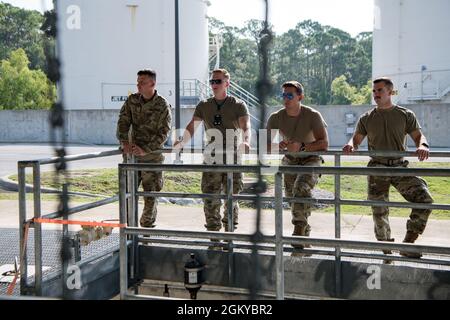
11	154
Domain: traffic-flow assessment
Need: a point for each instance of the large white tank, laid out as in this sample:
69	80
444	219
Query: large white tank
411	44
105	42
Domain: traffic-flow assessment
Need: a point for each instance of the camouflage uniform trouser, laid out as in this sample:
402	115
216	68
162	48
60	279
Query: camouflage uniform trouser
216	182
151	181
413	189
301	185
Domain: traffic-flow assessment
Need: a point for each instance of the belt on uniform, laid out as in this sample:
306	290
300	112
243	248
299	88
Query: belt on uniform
389	162
305	159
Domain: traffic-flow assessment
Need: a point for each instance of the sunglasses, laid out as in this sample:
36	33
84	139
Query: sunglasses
215	81
287	95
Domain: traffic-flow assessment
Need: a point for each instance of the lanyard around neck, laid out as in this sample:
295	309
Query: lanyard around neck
219	105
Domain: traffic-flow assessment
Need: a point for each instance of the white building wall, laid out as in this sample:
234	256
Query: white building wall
411	42
115	38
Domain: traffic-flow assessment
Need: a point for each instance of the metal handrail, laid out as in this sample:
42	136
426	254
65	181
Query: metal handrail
375	171
330	152
279	240
318	242
36	166
242	92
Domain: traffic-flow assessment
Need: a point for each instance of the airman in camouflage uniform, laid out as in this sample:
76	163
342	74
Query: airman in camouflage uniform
143	127
386	128
301	186
221	112
302	129
214	182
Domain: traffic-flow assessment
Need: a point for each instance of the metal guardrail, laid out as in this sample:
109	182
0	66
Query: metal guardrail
37	213
128	196
278	240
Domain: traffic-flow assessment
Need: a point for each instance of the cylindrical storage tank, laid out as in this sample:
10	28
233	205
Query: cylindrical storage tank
103	43
411	44
194	39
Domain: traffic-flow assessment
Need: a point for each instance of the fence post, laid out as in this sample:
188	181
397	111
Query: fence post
337	226
123	236
279	257
37	228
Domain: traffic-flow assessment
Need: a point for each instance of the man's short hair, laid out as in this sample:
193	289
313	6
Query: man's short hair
387	81
147	72
293	84
224	72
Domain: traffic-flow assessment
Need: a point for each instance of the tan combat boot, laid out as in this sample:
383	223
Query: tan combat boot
299	231
215	246
388	251
388	261
410	237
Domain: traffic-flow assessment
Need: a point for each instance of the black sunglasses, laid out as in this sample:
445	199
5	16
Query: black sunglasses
215	81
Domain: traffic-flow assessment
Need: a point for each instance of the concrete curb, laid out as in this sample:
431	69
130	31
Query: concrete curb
11	185
8	184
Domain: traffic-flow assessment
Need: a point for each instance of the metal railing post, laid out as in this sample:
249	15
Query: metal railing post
230	202
337	226
65	248
123	236
230	224
136	219
37	228
279	258
22	222
131	213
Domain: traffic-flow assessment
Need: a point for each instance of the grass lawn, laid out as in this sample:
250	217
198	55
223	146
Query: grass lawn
46	197
355	188
105	182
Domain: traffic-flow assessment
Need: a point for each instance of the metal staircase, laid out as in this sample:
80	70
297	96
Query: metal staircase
215	43
428	88
192	91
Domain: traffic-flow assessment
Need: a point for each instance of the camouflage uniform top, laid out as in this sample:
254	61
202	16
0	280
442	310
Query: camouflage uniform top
299	128
230	110
150	122
386	130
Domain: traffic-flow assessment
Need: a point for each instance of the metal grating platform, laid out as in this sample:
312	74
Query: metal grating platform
51	246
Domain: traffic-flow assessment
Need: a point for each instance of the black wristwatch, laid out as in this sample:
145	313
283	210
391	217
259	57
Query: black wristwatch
425	145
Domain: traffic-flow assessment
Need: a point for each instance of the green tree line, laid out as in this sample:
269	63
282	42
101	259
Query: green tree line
333	66
24	40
